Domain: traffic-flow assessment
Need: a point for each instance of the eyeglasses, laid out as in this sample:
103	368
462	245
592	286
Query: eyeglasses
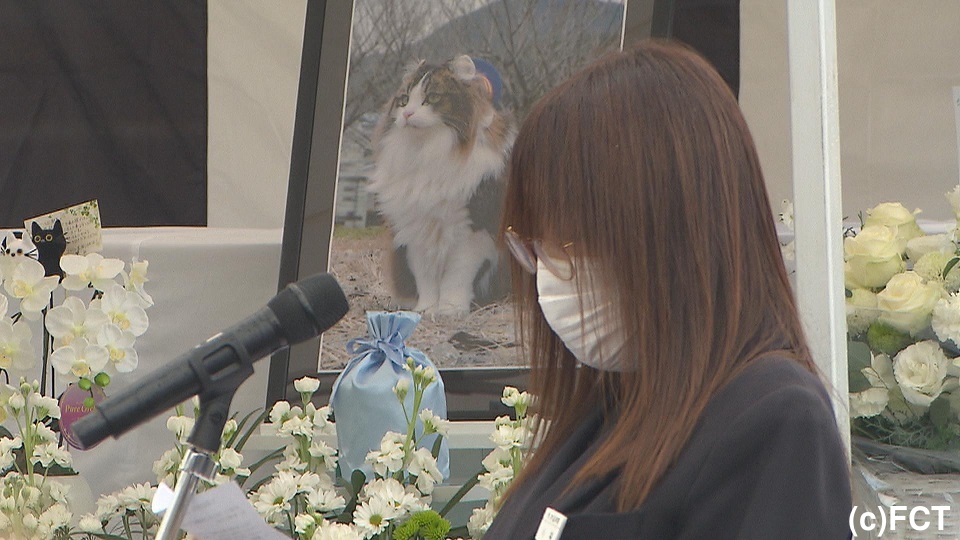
527	252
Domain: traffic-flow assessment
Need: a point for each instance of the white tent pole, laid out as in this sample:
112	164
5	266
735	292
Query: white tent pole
815	119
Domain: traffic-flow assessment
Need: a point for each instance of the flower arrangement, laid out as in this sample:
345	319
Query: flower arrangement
89	320
903	320
306	497
512	439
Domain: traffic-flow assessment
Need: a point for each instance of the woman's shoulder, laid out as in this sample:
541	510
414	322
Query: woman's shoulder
775	387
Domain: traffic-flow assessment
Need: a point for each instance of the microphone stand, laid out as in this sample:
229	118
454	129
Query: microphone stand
198	463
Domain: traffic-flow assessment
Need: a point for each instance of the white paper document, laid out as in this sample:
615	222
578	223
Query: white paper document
223	513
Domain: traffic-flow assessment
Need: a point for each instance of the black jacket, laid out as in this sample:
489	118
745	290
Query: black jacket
765	461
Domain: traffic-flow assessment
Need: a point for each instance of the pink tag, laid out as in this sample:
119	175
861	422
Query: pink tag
72	409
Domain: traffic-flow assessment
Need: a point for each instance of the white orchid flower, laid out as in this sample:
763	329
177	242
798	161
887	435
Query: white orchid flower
4	306
71	320
134	281
119	345
15	349
29	283
80	359
92	269
122	308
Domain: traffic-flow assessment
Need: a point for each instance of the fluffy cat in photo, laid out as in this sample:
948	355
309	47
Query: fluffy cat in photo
441	148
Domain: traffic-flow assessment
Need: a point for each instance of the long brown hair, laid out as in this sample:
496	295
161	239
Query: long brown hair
644	162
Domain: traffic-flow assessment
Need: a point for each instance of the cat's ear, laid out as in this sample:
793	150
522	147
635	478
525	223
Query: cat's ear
412	67
463	68
57	228
35	228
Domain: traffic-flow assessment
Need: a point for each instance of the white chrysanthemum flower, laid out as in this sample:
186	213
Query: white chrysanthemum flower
931	265
508	436
393	493
46	407
50	453
279	412
373	516
921	370
303	523
58	491
44	434
296	425
123	309
946	319
325	500
71	320
166	466
15	350
306	385
325	453
181	426
55	517
498	459
81	271
480	520
80	359
7	446
272	500
321	421
119	345
310	481
107	506
494	481
30	284
230	459
90	524
869	402
337	531
433	423
424	466
136	497
389	459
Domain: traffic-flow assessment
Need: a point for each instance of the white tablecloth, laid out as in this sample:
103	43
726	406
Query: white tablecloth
202	281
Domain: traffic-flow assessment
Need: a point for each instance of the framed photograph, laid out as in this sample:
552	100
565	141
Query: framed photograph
405	121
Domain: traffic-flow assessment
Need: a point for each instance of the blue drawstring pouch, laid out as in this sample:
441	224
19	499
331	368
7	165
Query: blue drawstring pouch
362	397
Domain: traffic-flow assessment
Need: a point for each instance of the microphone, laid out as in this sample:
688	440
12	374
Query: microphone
300	311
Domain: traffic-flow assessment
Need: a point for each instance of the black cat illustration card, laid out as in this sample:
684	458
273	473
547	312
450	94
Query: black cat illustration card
77	227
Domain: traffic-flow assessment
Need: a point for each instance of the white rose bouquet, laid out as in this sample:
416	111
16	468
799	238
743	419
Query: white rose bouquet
903	321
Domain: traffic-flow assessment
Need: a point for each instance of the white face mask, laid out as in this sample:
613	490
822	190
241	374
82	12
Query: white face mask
597	332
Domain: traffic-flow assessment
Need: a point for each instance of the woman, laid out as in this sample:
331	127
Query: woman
663	336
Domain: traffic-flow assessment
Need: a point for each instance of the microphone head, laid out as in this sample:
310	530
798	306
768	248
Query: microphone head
309	307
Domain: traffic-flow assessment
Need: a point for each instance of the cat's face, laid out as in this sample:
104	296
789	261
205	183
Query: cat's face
17	246
52	237
432	96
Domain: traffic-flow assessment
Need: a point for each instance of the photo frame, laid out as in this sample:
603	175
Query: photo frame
326	208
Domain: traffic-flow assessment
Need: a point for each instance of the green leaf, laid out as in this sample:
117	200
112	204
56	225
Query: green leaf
462	492
858	358
858	355
940	411
857	382
253	428
953	262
